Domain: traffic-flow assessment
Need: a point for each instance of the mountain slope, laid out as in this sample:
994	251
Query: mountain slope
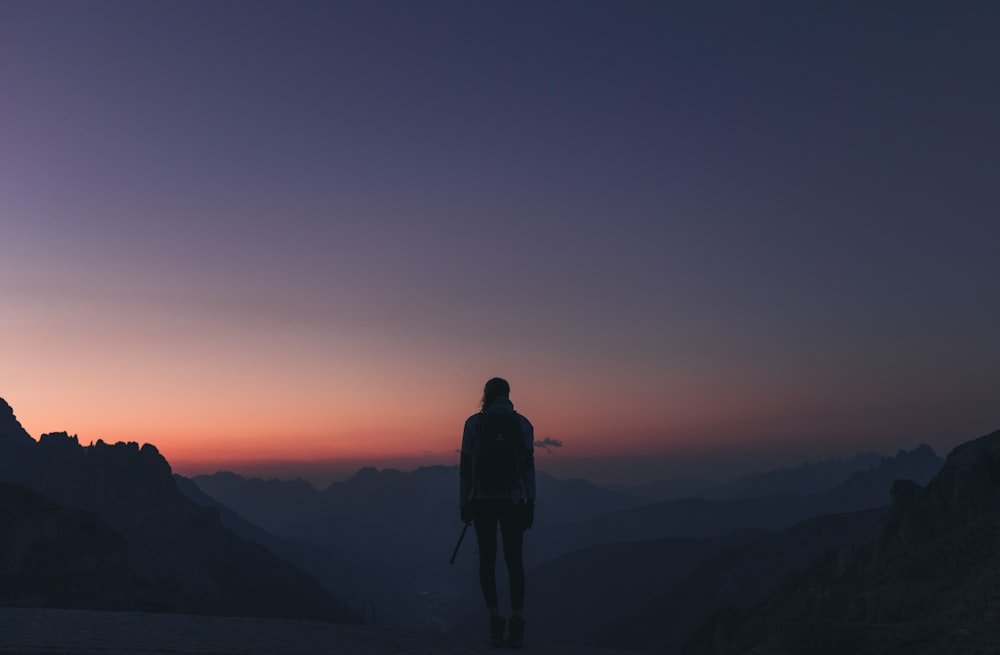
397	529
930	583
180	551
277	505
699	517
739	577
337	576
803	480
51	556
576	596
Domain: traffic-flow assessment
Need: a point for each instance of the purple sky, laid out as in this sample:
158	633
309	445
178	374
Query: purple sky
247	230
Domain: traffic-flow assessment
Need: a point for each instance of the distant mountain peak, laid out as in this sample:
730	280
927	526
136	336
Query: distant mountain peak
923	450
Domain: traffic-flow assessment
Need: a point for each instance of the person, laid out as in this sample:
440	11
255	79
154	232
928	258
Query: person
497	486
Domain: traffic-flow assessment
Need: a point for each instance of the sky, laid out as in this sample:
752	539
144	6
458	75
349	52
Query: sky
295	238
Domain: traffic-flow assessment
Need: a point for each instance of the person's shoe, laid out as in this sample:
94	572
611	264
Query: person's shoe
496	630
516	637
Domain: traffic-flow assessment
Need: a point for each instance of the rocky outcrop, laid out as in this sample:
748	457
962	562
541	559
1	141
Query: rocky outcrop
930	583
869	488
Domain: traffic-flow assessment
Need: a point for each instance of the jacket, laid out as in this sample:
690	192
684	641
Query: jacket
524	491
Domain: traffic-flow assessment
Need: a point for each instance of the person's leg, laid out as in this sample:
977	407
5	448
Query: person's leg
513	554
484	518
512	527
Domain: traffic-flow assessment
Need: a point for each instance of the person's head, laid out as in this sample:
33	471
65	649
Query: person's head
495	388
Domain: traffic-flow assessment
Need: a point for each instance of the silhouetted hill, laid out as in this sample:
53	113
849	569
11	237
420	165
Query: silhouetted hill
279	504
397	529
575	500
271	504
688	517
698	517
180	551
231	519
737	577
676	488
576	596
340	578
806	479
930	583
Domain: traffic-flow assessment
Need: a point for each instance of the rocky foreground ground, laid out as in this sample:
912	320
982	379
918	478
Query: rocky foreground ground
80	632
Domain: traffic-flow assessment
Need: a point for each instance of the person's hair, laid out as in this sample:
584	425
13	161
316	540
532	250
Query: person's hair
495	388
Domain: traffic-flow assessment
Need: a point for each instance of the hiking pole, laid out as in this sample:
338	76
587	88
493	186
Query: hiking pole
460	537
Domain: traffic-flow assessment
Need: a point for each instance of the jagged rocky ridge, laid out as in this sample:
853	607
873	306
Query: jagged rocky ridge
182	557
930	583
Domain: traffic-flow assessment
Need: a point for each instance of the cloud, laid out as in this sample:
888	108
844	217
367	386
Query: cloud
548	443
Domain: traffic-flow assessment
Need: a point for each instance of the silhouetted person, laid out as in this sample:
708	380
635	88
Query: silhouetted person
497	486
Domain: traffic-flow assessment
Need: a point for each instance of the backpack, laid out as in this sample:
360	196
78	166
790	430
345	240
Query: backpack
498	453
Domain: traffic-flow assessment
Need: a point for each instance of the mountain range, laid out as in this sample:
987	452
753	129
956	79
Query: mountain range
870	554
804	479
397	529
180	558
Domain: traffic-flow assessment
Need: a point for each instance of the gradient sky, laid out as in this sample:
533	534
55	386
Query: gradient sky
309	232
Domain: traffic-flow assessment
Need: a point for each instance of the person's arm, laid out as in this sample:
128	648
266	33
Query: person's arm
528	475
465	464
